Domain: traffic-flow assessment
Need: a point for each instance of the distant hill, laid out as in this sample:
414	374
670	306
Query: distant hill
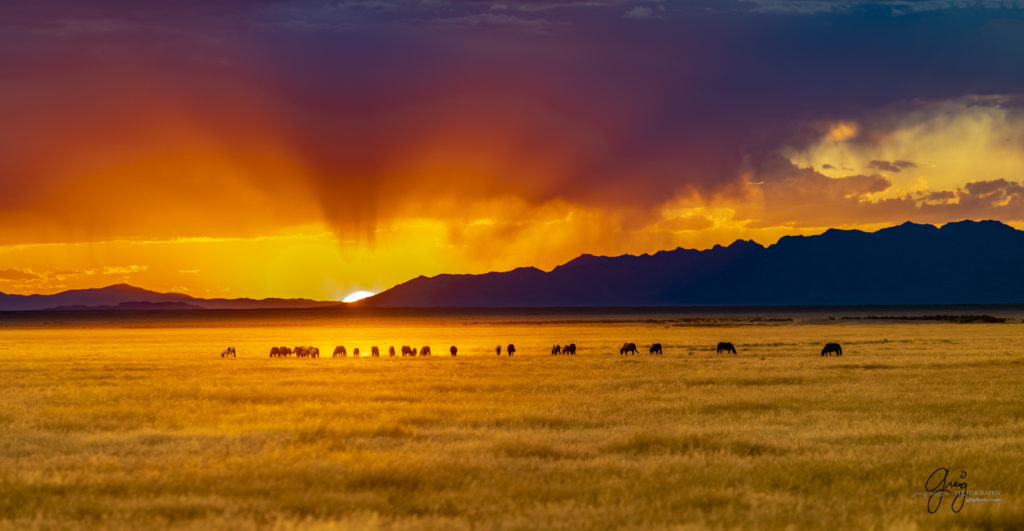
126	297
967	262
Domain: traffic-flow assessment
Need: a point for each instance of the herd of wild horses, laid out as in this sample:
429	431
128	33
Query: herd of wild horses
570	350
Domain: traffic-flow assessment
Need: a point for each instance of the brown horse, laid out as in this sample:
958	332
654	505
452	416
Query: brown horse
511	349
453	350
726	347
656	348
340	351
570	349
628	348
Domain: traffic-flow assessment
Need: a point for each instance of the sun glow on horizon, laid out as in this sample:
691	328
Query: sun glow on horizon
357	295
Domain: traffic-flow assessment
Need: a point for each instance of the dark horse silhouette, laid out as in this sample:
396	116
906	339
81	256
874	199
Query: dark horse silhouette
391	351
511	349
656	348
570	349
498	349
425	351
830	348
726	347
339	351
628	348
453	350
555	350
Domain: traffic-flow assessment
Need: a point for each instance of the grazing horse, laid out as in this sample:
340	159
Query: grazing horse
425	351
340	351
498	349
355	352
570	349
284	352
374	351
511	349
830	348
274	352
656	348
230	351
406	351
391	351
314	352
725	347
628	348
555	350
453	350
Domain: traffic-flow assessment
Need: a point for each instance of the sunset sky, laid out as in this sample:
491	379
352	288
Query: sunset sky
313	149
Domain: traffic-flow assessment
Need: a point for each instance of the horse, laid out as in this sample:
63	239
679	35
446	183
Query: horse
406	351
425	351
314	352
555	350
391	351
830	348
300	352
274	352
284	352
453	350
355	352
340	351
498	349
570	349
629	348
511	349
230	351
656	348
725	347
374	351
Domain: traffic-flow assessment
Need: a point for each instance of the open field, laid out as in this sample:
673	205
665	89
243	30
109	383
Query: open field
144	425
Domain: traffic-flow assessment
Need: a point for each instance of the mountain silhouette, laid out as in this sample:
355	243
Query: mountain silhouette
966	262
127	297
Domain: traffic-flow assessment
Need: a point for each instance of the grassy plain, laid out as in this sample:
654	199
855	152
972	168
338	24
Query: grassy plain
144	426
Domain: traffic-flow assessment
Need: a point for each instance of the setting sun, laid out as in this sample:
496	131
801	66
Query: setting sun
357	295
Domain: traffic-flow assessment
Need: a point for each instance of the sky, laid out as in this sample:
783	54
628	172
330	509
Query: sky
276	148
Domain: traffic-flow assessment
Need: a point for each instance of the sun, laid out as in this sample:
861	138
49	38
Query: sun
357	295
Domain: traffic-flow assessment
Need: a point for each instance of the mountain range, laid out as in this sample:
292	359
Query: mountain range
126	297
966	262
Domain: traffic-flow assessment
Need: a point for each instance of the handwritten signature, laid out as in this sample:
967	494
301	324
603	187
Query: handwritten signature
939	486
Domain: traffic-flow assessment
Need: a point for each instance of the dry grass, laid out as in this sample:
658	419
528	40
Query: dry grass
149	428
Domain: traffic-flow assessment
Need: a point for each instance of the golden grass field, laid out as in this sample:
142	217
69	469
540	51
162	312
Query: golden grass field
144	426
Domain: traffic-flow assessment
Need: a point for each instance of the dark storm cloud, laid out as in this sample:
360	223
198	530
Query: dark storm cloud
391	102
891	166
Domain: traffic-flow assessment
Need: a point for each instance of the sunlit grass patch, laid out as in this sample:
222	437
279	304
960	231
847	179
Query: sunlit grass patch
772	437
647	443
